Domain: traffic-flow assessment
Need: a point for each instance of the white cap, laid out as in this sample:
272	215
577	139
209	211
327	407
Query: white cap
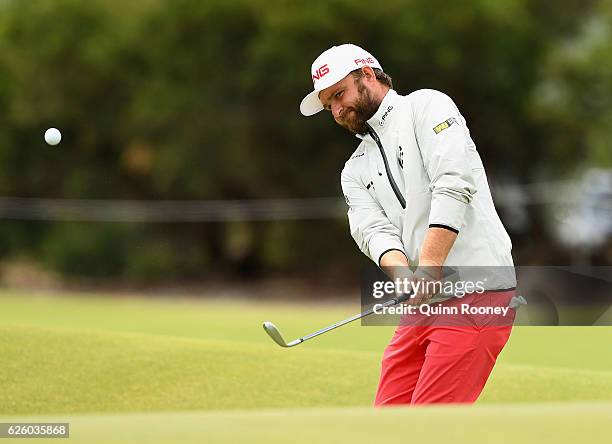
331	67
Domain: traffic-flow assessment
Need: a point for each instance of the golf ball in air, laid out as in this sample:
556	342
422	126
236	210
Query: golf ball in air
53	136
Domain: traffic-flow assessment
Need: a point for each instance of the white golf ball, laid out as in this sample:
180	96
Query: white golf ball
53	136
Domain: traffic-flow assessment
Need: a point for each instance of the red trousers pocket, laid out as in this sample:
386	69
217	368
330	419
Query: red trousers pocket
439	363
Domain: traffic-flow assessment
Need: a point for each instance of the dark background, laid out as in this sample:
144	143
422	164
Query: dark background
198	100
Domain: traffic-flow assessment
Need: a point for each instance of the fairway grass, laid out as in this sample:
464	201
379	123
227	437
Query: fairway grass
569	423
63	370
68	371
140	370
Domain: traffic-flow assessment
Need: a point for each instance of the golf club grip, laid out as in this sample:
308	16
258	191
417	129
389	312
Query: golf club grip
394	301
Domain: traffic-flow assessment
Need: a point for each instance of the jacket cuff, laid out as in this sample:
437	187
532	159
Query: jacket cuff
447	211
380	245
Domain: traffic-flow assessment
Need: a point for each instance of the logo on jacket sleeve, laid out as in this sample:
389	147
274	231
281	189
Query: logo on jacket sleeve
442	126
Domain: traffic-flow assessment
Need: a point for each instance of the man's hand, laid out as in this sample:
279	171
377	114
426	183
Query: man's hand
395	265
434	251
423	281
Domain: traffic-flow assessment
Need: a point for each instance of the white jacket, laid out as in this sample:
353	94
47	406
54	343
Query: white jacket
423	171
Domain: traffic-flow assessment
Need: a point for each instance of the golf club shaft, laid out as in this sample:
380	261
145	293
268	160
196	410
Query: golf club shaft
368	312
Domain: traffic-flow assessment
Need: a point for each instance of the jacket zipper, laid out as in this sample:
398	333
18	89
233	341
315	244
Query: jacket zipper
392	182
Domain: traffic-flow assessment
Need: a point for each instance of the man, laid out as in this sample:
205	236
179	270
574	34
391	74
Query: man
418	195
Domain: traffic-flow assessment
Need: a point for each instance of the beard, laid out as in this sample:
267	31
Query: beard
354	118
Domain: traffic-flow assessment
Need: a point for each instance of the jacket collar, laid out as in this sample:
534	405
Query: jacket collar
380	120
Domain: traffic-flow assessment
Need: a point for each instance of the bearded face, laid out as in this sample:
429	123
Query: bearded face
355	116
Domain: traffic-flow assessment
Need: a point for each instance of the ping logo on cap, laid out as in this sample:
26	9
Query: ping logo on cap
365	61
320	72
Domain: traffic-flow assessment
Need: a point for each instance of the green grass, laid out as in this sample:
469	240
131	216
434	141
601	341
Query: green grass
119	372
130	364
523	423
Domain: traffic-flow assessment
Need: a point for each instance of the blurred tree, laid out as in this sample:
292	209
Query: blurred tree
192	99
573	101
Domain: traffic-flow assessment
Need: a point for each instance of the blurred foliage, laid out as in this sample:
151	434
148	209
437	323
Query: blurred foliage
193	99
574	98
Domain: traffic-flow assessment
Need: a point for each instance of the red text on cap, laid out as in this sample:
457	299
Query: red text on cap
320	72
364	61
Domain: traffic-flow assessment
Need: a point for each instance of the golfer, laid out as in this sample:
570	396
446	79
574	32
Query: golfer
418	197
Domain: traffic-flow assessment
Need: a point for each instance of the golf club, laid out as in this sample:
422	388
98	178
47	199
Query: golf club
276	336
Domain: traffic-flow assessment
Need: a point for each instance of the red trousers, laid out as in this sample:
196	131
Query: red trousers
447	360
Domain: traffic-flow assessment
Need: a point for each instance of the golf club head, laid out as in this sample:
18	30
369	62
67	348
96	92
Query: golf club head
273	332
276	336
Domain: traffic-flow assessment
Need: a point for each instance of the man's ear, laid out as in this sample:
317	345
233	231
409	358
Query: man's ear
368	73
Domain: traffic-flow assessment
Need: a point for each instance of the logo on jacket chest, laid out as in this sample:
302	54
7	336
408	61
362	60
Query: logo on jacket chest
384	116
